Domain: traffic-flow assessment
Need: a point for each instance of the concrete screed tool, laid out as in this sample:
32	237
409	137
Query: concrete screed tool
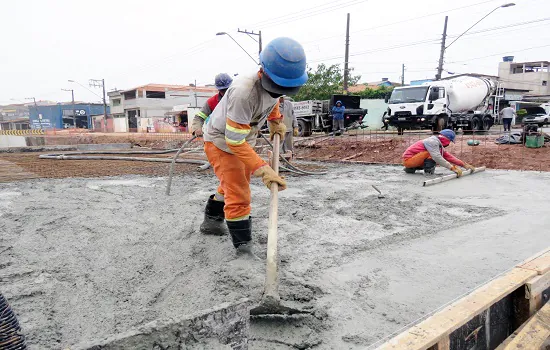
380	195
271	301
451	176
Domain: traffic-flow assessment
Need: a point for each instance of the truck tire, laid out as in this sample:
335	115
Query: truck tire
477	124
304	128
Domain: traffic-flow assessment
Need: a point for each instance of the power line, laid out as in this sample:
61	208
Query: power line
500	53
404	21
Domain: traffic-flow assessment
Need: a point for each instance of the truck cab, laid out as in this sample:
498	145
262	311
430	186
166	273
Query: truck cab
418	107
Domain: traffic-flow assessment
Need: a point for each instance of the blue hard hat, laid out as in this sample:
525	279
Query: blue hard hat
284	62
338	102
222	81
449	134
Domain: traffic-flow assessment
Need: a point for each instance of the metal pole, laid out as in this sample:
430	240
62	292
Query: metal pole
346	75
196	103
104	107
260	41
74	110
442	52
37	114
403	75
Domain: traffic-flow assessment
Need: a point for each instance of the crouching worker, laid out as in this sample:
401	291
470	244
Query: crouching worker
231	133
426	154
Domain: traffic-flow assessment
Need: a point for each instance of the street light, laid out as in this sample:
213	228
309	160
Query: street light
444	48
242	48
76	82
74	109
510	4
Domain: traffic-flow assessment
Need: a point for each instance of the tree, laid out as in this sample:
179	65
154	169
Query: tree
378	93
324	82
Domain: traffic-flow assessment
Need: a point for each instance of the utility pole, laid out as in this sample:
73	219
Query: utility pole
259	35
101	83
442	52
196	103
74	109
403	75
346	70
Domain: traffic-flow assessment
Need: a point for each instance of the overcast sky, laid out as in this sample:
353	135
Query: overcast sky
129	43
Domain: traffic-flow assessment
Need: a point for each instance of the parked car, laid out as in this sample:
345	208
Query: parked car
535	115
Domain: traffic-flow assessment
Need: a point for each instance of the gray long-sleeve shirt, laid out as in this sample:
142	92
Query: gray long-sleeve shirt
508	113
287	111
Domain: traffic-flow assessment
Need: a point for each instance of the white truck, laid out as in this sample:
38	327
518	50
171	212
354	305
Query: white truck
464	102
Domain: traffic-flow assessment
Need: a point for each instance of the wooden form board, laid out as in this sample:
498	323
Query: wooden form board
497	302
533	334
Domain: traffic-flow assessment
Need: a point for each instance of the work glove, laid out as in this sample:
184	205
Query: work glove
269	175
469	167
456	170
295	132
198	132
276	126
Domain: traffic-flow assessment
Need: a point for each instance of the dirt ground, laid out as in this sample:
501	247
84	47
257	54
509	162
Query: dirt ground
388	149
83	258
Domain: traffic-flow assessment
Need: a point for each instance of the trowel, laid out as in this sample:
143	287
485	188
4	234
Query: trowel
380	195
271	301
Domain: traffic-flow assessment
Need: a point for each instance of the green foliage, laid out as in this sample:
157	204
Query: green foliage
379	93
324	82
521	112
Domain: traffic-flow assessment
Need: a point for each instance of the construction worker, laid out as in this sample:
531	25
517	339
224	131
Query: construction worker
291	123
231	133
338	118
222	82
426	154
508	115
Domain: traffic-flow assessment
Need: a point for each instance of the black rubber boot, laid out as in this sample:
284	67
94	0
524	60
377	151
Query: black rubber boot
410	170
241	235
214	218
429	166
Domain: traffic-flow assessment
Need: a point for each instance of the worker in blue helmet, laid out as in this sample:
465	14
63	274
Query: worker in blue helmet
231	133
426	154
222	82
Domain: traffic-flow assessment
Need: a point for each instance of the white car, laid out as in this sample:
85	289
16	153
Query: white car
536	115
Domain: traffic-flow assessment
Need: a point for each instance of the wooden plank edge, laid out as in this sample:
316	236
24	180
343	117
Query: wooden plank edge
537	285
433	330
535	332
539	262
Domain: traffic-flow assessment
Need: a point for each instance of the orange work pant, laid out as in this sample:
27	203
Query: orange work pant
417	161
234	181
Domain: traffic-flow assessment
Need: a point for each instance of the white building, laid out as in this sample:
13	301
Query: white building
140	108
532	76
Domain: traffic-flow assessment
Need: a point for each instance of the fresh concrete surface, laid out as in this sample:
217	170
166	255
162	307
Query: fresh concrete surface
82	259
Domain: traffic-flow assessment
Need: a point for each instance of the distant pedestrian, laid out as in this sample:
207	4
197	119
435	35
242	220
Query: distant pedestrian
338	118
507	114
291	123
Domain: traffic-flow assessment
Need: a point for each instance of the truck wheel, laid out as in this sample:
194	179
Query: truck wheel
477	124
304	129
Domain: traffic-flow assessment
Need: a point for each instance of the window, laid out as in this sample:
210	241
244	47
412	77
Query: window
129	95
155	94
441	92
545	83
116	102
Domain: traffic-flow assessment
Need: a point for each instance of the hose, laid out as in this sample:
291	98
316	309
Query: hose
205	164
291	168
10	330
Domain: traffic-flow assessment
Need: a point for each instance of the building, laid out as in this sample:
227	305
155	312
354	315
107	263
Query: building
60	115
14	111
143	107
532	76
15	124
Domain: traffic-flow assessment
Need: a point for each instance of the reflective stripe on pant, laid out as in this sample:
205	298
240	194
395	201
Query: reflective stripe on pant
417	161
234	181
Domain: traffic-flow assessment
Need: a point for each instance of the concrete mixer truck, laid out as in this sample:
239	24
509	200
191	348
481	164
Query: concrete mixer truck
463	102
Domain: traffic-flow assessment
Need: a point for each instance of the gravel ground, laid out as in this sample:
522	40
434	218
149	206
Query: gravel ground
84	258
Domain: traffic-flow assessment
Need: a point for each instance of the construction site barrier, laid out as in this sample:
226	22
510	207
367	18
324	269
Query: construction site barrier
25	132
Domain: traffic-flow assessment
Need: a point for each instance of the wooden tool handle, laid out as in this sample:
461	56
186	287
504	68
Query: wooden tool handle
271	286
